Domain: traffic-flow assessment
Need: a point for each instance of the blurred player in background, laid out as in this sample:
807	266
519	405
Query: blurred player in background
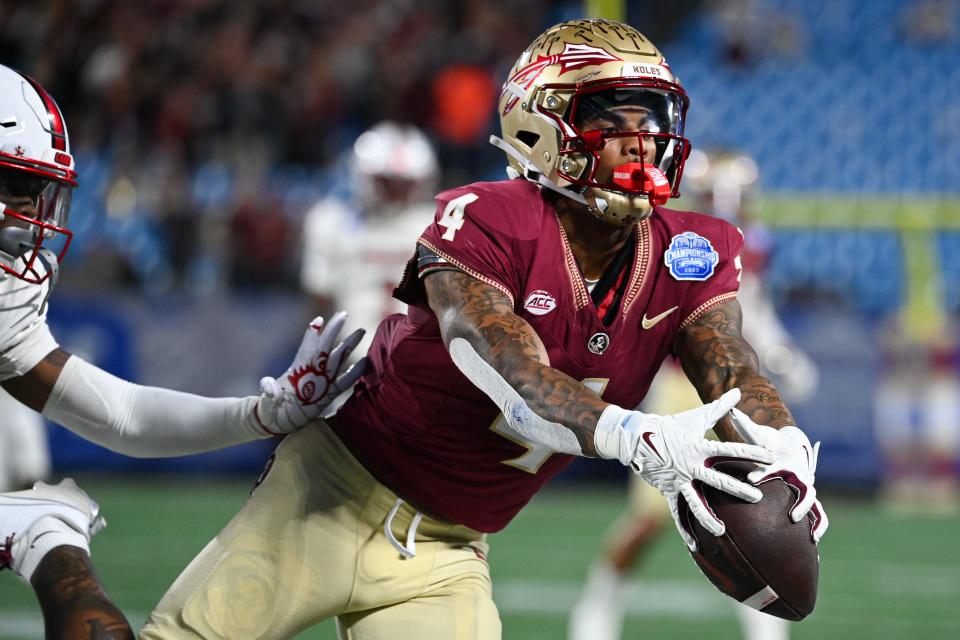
917	416
393	171
569	271
719	182
37	176
24	451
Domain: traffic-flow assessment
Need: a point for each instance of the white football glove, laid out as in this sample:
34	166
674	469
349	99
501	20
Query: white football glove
312	382
671	453
795	463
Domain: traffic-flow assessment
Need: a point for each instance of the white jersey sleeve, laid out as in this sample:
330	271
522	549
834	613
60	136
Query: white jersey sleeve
25	338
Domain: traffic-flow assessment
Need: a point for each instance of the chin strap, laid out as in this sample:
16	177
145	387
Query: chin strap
533	174
530	171
49	260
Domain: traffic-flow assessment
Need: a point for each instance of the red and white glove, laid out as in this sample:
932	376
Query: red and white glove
314	379
795	462
671	453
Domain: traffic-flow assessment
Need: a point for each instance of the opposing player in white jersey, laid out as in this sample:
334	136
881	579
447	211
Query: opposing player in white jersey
718	182
37	176
393	175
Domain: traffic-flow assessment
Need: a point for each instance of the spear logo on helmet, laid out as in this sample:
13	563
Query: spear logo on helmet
574	56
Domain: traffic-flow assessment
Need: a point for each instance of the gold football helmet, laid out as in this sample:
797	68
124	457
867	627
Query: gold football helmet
572	73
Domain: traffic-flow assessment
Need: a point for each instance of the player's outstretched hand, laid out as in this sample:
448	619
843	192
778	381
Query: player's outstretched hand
795	463
317	376
672	453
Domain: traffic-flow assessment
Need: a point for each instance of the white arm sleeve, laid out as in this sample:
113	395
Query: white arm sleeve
146	422
518	414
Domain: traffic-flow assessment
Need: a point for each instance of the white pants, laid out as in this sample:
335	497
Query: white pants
24	453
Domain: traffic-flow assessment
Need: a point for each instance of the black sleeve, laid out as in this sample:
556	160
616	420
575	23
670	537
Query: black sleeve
424	262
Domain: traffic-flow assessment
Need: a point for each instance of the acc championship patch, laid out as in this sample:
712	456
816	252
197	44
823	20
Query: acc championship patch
690	256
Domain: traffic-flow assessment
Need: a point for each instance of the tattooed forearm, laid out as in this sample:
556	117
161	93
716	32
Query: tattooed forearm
75	604
483	315
716	358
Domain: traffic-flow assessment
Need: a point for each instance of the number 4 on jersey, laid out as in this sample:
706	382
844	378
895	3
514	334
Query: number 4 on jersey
537	453
452	218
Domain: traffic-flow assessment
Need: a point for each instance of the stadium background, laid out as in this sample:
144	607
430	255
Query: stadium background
204	129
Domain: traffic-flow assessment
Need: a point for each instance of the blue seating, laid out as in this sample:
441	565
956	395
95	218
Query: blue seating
863	268
858	109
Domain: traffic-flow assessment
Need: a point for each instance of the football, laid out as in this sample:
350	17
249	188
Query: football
764	559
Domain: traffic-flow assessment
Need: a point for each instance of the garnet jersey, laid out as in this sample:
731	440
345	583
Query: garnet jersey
427	433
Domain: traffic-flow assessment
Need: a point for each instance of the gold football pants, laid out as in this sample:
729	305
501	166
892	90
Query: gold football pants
310	544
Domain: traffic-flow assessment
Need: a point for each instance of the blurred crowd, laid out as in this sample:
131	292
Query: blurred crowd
205	129
263	82
176	107
212	136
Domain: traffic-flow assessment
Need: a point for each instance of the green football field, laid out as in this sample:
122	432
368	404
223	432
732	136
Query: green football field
882	576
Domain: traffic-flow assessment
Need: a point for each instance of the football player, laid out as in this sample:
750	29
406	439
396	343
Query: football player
393	171
540	308
36	178
719	182
37	175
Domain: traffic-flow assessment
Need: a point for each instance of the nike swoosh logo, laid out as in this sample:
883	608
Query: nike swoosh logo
649	323
648	436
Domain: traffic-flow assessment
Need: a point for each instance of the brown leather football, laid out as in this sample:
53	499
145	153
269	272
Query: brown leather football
764	559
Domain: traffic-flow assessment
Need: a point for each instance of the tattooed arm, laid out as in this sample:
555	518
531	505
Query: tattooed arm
74	601
716	358
483	316
668	451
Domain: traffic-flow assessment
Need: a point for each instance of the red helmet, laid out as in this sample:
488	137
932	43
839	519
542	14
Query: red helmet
36	179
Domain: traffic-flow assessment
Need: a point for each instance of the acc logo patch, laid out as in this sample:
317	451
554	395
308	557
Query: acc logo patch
690	256
540	303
